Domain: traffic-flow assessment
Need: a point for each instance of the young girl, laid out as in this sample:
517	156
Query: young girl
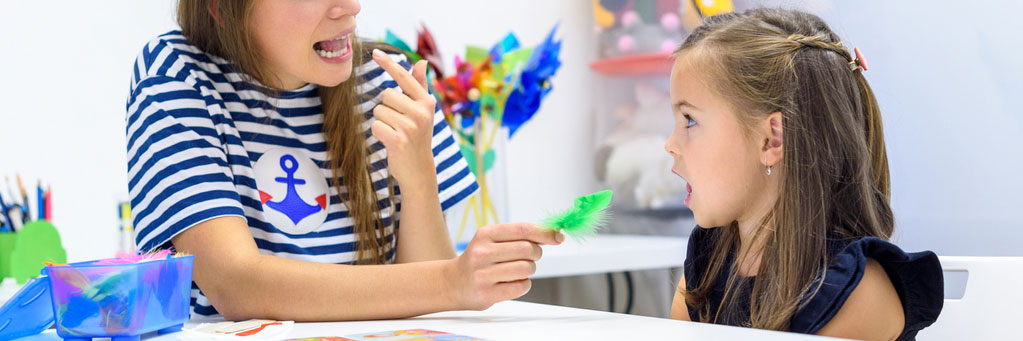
263	139
779	137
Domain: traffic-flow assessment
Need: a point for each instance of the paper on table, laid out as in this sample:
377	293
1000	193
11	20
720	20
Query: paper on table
247	330
394	335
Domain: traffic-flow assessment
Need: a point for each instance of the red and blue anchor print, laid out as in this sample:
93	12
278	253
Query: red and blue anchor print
292	190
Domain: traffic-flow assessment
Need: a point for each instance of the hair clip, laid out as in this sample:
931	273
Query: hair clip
859	62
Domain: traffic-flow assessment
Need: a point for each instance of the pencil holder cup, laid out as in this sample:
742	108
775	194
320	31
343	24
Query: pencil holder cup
37	242
6	247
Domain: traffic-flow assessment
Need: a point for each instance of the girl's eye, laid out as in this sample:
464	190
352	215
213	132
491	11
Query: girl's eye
689	121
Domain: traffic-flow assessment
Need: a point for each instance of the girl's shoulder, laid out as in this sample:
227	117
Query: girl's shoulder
916	276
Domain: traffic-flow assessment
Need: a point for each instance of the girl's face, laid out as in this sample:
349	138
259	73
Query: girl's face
721	165
306	41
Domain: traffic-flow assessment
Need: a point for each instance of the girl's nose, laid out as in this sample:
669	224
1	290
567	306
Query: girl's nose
671	146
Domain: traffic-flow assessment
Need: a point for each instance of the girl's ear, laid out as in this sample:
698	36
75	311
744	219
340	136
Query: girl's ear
773	146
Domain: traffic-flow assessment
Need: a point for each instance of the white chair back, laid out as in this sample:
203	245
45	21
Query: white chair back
992	304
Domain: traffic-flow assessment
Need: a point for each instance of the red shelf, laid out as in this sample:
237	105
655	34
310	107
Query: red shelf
650	64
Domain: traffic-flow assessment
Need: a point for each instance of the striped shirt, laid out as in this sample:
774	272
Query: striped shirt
205	143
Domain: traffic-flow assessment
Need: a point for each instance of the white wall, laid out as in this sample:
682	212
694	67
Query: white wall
946	73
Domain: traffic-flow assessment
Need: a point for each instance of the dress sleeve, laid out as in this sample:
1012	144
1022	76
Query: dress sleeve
917	278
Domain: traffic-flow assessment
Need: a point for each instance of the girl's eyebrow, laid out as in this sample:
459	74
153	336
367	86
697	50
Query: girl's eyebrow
683	103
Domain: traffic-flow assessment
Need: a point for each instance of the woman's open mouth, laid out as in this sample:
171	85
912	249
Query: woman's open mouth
337	50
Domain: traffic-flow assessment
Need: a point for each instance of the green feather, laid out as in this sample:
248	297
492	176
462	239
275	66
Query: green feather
587	215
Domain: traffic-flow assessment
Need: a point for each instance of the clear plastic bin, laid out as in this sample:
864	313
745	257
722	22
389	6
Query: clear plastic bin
119	301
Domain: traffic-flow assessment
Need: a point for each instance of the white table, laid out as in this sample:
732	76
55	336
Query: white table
611	253
513	320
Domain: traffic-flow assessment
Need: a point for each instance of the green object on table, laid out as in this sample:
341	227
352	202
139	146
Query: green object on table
36	242
587	215
7	240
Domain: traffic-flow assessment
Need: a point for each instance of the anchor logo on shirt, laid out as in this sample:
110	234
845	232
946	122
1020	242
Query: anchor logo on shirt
292	206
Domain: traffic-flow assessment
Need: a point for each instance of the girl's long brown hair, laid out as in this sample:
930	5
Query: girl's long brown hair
229	36
835	182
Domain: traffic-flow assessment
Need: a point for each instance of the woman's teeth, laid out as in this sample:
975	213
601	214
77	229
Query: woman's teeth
332	48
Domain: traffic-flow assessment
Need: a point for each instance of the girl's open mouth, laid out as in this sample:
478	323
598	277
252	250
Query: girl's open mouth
689	197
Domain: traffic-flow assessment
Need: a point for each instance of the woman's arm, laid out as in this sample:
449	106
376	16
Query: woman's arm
404	124
242	283
873	310
423	234
679	310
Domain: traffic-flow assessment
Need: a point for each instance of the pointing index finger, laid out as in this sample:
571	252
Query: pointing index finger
408	84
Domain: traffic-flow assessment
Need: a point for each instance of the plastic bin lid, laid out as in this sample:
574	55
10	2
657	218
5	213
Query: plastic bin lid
28	312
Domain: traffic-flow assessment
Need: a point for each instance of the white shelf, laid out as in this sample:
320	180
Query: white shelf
611	253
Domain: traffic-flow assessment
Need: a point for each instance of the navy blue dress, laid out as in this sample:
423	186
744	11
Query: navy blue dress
917	277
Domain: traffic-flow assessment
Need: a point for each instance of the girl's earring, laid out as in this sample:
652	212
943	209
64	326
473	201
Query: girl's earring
768	170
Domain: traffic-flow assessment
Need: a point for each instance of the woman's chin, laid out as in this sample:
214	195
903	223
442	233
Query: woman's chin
334	76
